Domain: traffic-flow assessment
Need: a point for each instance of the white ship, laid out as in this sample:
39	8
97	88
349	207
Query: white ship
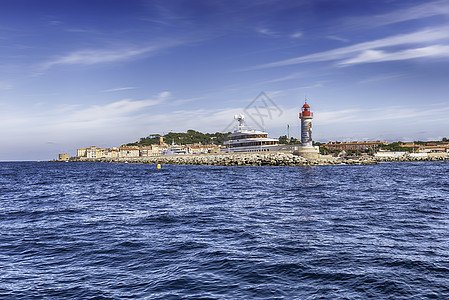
244	139
174	150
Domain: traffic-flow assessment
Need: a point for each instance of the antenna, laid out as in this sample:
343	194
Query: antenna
288	131
241	119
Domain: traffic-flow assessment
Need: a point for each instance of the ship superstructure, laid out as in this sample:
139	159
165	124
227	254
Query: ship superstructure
244	139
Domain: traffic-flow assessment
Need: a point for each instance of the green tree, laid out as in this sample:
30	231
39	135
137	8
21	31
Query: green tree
324	151
189	137
283	139
396	146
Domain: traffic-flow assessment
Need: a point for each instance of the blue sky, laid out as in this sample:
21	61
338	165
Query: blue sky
104	72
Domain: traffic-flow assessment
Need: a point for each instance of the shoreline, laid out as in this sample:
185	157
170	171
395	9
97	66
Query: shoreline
258	159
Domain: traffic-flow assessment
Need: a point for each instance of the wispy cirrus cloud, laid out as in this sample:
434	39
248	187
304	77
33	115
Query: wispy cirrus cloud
106	55
267	32
90	57
351	53
359	115
387	76
337	38
425	10
119	89
98	118
112	110
117	109
284	78
297	34
370	56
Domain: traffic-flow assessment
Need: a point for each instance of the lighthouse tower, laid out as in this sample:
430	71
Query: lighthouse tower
306	117
307	150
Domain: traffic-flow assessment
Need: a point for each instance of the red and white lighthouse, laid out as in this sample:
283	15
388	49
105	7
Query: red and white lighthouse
306	117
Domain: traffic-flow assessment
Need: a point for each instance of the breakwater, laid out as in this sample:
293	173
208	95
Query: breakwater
258	159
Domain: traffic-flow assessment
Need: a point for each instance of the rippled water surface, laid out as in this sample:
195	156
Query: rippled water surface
114	231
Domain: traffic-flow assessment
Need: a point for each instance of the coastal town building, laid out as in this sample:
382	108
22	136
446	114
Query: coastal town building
415	147
94	152
202	149
436	147
432	147
111	153
63	156
353	145
129	151
152	150
81	152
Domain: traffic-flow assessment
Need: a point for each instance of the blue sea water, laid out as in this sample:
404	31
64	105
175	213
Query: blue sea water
118	231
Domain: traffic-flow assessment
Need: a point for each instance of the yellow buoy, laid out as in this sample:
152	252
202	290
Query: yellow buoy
158	166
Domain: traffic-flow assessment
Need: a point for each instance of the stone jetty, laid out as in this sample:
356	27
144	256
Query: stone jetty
257	159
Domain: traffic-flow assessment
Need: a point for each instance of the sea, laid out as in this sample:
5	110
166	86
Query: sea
132	231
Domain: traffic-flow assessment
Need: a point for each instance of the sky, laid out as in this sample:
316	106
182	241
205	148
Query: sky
80	73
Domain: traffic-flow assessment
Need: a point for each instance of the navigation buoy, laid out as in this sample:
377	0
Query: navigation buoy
158	166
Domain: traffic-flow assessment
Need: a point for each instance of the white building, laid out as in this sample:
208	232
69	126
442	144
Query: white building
94	152
129	151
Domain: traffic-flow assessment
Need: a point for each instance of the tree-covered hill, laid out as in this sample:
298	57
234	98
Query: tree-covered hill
184	138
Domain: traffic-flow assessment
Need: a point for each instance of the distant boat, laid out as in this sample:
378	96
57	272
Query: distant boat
174	150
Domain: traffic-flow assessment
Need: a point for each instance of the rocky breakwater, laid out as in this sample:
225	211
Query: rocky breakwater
412	157
236	159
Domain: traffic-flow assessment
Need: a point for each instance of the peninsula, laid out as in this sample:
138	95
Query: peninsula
246	146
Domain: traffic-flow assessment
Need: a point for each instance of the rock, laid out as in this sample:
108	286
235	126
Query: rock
258	159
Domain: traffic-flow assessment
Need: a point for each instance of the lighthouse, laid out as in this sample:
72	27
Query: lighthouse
306	117
307	150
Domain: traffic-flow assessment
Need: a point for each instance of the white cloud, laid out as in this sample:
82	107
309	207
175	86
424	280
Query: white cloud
296	35
119	89
345	53
425	10
267	32
370	56
90	57
187	100
292	76
118	109
211	120
126	120
295	89
337	38
112	110
380	114
382	77
96	56
66	121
